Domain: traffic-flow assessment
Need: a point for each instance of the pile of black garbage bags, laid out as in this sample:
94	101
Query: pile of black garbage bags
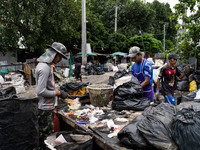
183	84
92	69
164	127
129	96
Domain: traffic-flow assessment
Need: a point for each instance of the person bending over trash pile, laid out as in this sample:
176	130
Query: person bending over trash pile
143	71
167	77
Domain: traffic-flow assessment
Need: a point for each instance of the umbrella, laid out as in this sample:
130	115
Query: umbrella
89	54
118	53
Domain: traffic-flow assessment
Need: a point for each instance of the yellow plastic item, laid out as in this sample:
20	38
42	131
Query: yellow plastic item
193	86
11	73
79	92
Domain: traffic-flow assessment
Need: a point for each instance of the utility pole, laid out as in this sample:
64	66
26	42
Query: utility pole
84	40
164	38
116	18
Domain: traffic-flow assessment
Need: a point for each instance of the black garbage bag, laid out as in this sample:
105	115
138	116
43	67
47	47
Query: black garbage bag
194	105
181	68
189	72
183	85
132	137
8	92
117	75
191	77
197	77
136	104
120	74
92	69
190	97
129	96
111	80
156	126
86	143
186	129
128	90
73	86
148	110
19	124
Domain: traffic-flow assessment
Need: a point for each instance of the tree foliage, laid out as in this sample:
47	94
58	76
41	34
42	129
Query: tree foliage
38	23
189	28
146	42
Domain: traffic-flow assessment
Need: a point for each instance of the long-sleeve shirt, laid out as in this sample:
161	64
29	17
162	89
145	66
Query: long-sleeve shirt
45	86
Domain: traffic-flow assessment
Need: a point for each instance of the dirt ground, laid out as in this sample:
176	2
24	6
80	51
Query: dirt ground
94	79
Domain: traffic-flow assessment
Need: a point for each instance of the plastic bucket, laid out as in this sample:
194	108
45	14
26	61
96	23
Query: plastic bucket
99	94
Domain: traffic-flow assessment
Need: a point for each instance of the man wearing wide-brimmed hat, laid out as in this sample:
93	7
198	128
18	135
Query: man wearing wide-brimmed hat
45	88
143	71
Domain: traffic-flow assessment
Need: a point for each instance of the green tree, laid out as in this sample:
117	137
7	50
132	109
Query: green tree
39	23
163	14
117	42
190	28
146	42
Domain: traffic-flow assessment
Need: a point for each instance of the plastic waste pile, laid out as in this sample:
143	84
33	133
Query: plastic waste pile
129	96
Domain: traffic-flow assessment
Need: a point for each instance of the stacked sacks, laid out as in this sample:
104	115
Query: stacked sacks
186	129
156	126
151	130
129	96
131	136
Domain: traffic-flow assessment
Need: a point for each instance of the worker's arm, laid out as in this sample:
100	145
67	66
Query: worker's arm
148	72
182	75
145	82
158	84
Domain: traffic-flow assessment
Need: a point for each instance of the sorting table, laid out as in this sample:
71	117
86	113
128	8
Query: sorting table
100	139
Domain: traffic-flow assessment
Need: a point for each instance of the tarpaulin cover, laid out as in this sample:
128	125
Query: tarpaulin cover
73	86
73	145
19	124
128	96
156	127
117	75
131	136
186	129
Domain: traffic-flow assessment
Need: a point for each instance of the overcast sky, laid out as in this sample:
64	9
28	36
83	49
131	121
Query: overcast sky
171	2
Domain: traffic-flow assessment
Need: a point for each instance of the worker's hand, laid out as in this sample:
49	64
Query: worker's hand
157	92
188	70
64	95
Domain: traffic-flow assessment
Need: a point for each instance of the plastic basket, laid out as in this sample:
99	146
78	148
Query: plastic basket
100	94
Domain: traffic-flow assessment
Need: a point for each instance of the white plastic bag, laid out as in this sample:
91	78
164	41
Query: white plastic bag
66	72
115	68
